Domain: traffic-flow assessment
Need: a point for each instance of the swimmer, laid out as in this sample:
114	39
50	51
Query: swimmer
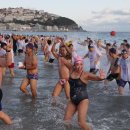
107	47
30	64
63	70
94	57
3	51
11	66
113	72
124	65
79	100
3	116
49	56
4	62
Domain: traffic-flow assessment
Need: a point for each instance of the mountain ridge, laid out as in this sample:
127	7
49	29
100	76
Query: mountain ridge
21	19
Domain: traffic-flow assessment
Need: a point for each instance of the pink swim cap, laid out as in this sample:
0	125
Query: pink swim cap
78	59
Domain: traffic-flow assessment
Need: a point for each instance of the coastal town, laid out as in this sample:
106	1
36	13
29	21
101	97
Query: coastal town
20	19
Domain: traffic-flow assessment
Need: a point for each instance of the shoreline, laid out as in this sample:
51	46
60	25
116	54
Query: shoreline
39	31
27	31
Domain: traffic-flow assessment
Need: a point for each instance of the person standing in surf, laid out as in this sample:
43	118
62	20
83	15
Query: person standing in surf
63	70
31	65
94	57
79	101
113	72
124	66
5	60
10	45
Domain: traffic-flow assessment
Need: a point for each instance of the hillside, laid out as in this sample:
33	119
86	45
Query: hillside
21	19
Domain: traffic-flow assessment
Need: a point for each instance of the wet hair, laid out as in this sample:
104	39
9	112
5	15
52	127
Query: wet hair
26	40
30	45
125	40
49	42
127	45
108	44
90	46
7	37
112	50
124	51
2	44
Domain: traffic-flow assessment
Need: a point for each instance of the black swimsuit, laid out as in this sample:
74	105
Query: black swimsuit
78	90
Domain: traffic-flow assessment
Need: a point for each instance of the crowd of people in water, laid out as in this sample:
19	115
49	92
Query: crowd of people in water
73	79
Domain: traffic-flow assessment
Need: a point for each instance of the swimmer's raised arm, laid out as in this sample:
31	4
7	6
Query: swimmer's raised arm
93	77
85	56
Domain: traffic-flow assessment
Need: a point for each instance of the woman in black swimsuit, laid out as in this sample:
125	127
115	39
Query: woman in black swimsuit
78	92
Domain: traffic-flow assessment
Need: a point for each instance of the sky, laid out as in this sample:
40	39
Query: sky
92	15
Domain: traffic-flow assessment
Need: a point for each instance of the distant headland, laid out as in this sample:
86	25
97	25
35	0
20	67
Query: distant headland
20	19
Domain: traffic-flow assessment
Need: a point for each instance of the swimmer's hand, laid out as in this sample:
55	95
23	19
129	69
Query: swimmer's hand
57	40
102	74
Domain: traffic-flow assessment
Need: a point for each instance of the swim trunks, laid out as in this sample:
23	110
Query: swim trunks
32	76
110	77
122	83
11	66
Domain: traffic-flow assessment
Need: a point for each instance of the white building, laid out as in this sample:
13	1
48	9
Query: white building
41	12
8	18
25	27
55	28
2	27
49	28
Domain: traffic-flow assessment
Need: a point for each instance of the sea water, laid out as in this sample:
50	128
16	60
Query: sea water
107	110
